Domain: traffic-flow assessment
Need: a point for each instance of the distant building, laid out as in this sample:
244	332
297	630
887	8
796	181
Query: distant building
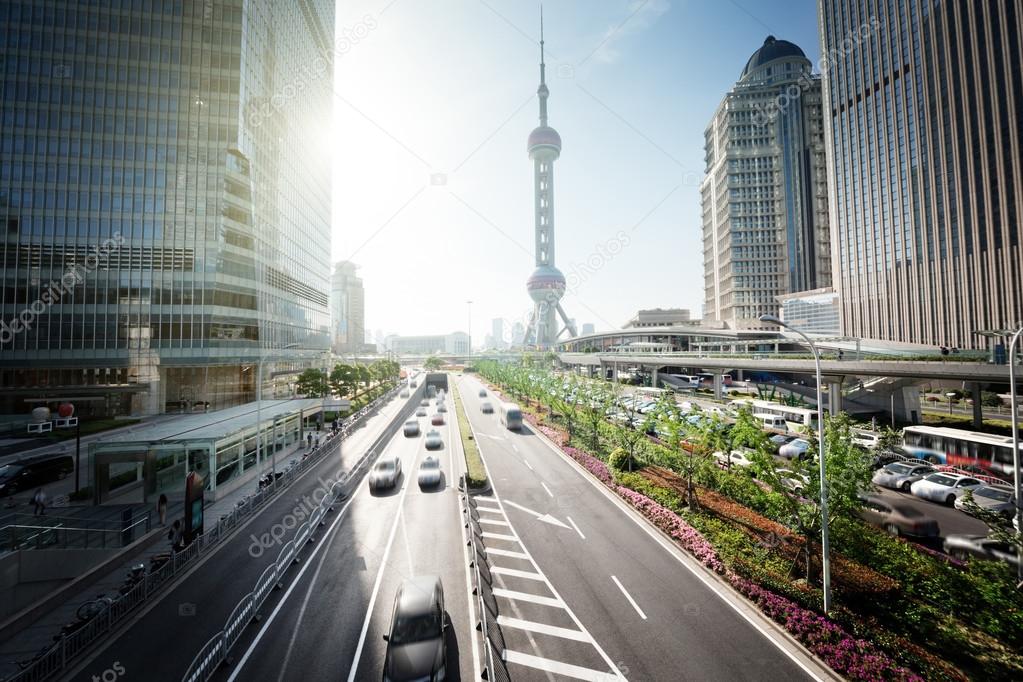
518	334
658	317
925	136
588	328
456	343
497	339
813	312
765	195
347	310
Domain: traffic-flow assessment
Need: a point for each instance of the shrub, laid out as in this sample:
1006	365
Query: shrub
619	459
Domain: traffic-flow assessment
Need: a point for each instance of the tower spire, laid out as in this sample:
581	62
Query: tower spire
542	92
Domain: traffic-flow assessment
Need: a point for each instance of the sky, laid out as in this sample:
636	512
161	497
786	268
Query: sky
433	188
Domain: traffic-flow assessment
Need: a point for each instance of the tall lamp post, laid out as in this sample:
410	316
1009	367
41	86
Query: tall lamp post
1015	441
825	544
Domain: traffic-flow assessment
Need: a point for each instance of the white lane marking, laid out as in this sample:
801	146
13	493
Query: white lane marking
376	585
525	596
408	546
515	447
548	665
528	465
507	553
680	557
542	628
546	518
490	510
516	573
629	597
546	488
493	522
499	536
576	527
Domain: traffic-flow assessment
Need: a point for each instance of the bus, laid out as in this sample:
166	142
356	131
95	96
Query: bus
960	448
511	416
798	419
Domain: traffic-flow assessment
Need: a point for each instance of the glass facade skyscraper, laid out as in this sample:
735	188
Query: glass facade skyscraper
764	196
348	309
165	199
924	102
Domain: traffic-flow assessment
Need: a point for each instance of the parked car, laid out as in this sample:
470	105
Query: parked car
411	428
32	472
901	475
943	487
793	481
897	519
385	473
737	457
437	419
982	547
998	499
483	393
421	412
433	440
780	439
486	407
429	472
416	646
866	439
795	449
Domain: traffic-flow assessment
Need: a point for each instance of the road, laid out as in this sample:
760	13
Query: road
328	618
950	520
586	588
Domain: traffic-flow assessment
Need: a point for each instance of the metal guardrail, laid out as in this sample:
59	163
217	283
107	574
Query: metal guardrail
67	647
38	536
214	653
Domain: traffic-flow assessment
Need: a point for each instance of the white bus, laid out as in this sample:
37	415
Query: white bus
958	447
511	416
798	419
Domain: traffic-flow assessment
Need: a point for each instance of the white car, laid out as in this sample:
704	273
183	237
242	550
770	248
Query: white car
433	440
794	449
737	457
942	487
429	472
793	481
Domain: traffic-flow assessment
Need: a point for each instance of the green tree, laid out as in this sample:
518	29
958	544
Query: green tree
672	429
712	436
312	382
990	399
565	403
889	440
344	379
433	363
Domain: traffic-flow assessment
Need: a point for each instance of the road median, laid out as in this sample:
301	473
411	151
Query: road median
476	474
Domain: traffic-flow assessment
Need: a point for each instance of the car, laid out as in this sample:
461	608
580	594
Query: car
411	428
412	384
897	519
403	394
433	440
437	419
737	457
901	475
385	473
424	402
793	481
944	487
429	472
486	408
32	472
998	499
982	547
865	438
795	449
421	412
442	408
483	393
416	643
780	439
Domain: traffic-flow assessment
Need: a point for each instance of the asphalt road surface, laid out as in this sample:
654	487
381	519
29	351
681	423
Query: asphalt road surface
586	589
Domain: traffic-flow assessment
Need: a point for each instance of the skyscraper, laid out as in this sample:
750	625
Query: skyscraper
165	199
497	333
347	309
924	103
764	196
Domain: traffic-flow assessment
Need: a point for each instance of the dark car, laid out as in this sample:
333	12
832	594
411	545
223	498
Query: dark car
416	648
897	519
32	472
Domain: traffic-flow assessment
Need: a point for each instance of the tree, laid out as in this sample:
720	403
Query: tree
595	412
344	379
672	428
312	382
712	436
990	399
565	403
889	440
432	363
631	434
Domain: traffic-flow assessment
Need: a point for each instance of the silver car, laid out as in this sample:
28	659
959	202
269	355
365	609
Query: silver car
944	488
993	498
980	546
486	408
421	412
411	428
385	473
433	440
901	475
429	472
483	393
416	642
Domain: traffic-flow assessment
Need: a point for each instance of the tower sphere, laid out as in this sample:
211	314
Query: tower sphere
546	284
544	137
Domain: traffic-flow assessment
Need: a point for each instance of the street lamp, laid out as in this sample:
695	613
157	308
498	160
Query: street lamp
825	545
1015	441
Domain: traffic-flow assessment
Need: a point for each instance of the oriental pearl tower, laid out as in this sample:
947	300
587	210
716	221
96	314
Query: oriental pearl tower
546	285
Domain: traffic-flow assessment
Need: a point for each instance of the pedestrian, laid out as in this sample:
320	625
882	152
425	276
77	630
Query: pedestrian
317	441
175	535
309	440
161	509
39	502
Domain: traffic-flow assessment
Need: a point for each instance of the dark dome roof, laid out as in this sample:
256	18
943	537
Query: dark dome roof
772	49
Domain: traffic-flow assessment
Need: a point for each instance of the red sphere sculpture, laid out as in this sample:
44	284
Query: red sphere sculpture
66	410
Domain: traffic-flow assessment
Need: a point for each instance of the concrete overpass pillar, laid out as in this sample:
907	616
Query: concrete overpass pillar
978	406
653	377
718	382
834	396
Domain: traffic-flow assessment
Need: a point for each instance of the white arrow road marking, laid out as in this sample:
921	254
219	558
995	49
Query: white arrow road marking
546	518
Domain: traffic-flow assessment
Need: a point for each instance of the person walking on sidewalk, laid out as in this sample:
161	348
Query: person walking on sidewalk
176	536
161	509
39	503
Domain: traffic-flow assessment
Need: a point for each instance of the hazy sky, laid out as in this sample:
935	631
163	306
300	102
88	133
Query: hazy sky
433	186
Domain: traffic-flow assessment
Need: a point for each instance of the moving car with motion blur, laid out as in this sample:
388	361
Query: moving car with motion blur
437	419
384	473
416	646
433	440
483	393
421	412
429	472
981	547
897	519
901	475
411	428
486	407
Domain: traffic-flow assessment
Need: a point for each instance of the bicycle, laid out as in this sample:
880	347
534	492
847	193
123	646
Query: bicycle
94	607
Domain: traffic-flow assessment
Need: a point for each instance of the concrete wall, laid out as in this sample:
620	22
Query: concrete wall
27	576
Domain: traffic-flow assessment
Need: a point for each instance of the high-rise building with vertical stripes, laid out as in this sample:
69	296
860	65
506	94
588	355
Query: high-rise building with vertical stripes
924	123
165	200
